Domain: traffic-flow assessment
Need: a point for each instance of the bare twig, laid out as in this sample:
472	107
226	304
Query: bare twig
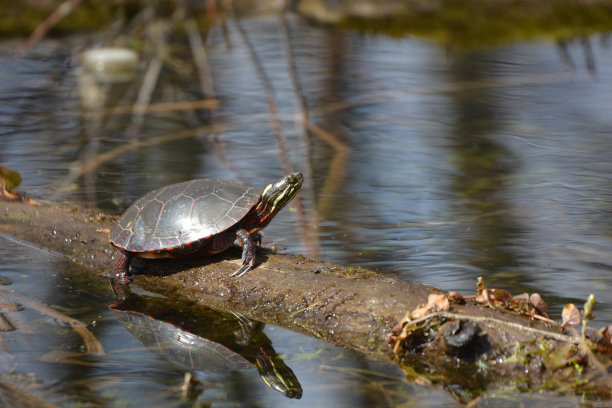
297	86
485	319
313	238
144	97
200	59
279	134
156	31
62	11
91	343
155	108
122	149
337	168
586	350
226	5
205	76
281	138
16	396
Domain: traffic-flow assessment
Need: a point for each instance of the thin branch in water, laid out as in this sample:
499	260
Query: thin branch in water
43	28
297	86
156	31
460	86
16	396
303	115
279	134
226	5
155	108
144	97
112	154
337	169
5	323
92	344
200	59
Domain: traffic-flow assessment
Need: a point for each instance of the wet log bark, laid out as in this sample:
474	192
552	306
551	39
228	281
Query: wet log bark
348	307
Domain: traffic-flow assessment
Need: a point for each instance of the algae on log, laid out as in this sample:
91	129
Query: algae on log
352	308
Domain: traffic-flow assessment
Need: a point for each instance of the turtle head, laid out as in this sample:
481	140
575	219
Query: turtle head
276	195
277	375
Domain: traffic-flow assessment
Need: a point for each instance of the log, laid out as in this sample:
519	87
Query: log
349	307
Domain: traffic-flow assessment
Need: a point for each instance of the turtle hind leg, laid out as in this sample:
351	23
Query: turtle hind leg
119	280
122	267
248	242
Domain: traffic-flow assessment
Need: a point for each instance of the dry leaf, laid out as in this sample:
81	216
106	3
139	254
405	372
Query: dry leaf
607	334
500	295
438	303
570	315
521	301
9	178
540	305
456	297
494	297
435	303
604	345
420	311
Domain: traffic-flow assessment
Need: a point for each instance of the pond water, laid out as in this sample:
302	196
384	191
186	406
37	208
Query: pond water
422	162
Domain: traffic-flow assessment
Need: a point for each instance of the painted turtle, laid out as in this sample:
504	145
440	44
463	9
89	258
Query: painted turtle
199	217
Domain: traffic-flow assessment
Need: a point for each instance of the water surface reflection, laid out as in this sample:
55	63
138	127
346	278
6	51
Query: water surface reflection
198	338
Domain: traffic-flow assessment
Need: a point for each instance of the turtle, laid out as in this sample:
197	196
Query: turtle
197	218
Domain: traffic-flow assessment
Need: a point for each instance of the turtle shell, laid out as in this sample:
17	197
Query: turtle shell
187	350
175	217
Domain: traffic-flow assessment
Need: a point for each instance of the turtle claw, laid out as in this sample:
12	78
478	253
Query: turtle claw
244	268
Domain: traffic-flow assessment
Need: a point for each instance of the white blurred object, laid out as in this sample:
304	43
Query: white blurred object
111	65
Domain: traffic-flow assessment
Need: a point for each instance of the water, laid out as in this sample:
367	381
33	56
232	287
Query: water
441	166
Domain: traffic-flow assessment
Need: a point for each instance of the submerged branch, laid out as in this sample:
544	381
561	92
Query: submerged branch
162	107
17	396
92	344
112	154
43	28
200	59
281	138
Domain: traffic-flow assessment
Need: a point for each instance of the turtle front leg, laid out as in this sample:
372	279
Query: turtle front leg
248	242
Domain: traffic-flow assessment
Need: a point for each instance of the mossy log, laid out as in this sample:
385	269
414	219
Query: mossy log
348	307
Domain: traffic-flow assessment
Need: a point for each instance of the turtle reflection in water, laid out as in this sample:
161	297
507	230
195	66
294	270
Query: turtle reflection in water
199	338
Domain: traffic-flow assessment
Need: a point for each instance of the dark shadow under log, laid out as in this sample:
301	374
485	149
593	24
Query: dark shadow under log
348	307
